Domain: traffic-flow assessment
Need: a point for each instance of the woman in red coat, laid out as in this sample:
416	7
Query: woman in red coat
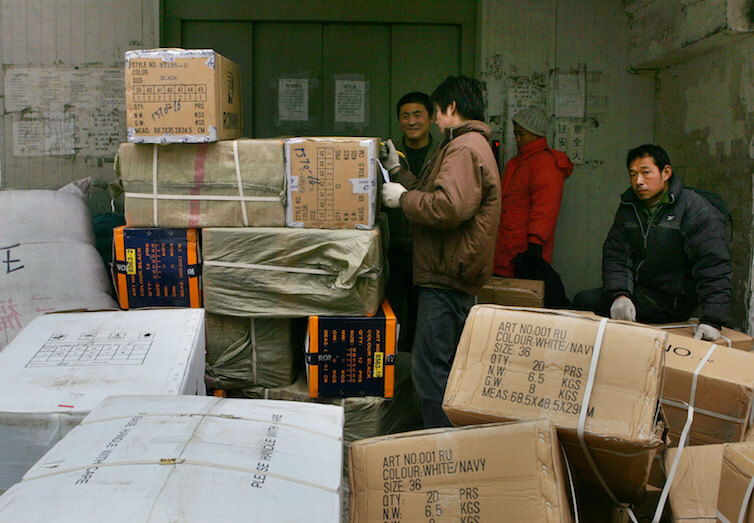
532	187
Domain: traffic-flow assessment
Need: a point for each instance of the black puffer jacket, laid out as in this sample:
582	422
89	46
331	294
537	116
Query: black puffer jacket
682	253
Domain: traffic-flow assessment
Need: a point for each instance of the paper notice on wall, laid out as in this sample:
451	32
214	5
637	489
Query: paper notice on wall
27	137
569	138
570	94
350	101
293	100
49	134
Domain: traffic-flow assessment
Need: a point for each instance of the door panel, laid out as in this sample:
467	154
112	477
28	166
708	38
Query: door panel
234	41
422	56
286	50
361	50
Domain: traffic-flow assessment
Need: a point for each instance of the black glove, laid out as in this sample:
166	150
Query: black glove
527	265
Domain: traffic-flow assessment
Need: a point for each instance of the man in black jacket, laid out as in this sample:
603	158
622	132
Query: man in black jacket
666	253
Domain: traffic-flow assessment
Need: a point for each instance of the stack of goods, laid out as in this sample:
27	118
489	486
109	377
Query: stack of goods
48	261
62	365
728	337
513	292
160	458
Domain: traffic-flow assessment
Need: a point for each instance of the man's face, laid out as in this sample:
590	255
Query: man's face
648	182
414	121
523	137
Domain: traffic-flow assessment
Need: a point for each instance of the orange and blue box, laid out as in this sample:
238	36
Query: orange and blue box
157	267
352	356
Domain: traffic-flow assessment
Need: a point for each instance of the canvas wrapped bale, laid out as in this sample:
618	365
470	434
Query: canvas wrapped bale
224	184
352	355
717	381
189	459
157	267
290	272
48	261
734	496
693	493
253	352
62	365
497	472
182	96
332	182
597	380
513	292
728	337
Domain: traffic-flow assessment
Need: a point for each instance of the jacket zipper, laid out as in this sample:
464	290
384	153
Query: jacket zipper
645	233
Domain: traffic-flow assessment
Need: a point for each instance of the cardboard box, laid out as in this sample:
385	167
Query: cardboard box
332	182
157	267
734	494
352	356
182	96
524	364
62	365
238	183
164	458
280	272
724	391
513	292
498	472
729	337
693	493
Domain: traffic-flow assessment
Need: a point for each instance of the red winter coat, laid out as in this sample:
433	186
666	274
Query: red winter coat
532	187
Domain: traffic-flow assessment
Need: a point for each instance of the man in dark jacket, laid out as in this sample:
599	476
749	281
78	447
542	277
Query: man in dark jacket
666	253
455	210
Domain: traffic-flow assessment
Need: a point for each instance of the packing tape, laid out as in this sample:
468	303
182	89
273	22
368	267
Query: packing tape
682	325
192	197
253	339
277	268
154	184
571	485
731	419
582	418
240	183
684	436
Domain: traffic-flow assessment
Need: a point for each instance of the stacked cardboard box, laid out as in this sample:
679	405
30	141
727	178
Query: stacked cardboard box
62	365
724	393
734	496
517	364
497	472
513	292
693	493
161	458
728	337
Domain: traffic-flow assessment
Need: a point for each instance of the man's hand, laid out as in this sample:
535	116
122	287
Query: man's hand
389	156
391	194
623	309
707	332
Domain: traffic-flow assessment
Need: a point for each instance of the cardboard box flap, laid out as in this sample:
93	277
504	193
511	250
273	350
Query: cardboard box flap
693	493
736	476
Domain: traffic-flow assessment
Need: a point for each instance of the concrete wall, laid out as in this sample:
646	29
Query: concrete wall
63	110
522	42
705	117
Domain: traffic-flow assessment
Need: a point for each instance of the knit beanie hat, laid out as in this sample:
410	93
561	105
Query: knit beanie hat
533	120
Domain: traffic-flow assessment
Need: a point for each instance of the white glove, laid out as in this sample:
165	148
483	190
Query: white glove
391	194
707	332
623	309
389	156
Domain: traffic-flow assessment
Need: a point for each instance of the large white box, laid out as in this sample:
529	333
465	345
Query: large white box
62	365
189	459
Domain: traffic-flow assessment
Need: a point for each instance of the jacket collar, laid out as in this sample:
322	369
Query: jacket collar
540	144
675	186
468	126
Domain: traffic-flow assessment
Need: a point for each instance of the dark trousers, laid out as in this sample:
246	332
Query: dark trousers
651	306
440	318
403	296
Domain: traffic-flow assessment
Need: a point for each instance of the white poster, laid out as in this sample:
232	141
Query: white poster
570	96
569	138
293	100
350	101
27	137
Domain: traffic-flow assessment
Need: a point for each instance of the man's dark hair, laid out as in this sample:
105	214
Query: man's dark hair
466	92
415	97
656	152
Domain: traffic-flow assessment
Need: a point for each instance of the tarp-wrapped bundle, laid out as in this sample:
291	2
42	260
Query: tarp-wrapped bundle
291	272
48	261
249	352
224	184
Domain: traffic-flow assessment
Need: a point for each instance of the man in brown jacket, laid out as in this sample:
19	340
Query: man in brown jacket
455	211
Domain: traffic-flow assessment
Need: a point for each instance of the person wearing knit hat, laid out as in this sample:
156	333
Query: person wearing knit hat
532	187
533	120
